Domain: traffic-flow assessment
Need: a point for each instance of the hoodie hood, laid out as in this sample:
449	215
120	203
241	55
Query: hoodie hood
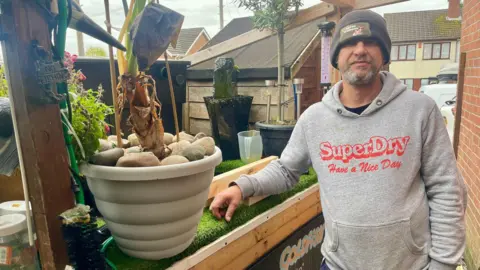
392	87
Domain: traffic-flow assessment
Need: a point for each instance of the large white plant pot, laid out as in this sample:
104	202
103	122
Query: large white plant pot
152	212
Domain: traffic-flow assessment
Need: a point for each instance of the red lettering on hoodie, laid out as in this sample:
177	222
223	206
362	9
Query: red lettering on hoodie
375	147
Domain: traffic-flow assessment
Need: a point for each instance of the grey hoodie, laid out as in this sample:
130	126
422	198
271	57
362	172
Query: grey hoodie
391	194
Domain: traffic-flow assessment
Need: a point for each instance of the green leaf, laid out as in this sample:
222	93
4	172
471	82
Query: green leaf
3	83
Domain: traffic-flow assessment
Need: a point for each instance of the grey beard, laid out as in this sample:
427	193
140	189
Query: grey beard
351	77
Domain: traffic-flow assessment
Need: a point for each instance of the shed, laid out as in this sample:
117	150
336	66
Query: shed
258	62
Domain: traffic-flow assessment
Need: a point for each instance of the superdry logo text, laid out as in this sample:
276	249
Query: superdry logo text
375	147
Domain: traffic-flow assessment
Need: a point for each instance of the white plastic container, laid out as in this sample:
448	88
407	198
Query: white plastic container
13	207
251	146
16	207
15	252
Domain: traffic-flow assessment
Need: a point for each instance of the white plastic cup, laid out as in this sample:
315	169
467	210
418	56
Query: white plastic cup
250	144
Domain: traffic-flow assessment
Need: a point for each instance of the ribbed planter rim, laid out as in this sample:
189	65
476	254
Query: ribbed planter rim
152	173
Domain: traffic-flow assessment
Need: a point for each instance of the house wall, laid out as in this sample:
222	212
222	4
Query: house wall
198	120
469	140
201	41
422	69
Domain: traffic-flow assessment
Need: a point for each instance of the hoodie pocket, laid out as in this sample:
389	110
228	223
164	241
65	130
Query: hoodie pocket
376	246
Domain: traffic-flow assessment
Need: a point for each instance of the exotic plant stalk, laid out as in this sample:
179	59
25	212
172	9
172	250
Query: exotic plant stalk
148	30
224	78
132	67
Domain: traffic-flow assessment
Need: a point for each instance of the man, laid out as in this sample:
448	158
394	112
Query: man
391	194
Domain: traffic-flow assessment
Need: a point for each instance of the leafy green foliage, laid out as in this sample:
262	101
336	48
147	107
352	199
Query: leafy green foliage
88	119
3	83
88	112
271	14
132	65
96	52
210	228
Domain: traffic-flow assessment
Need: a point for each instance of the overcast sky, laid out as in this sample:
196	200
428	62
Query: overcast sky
205	13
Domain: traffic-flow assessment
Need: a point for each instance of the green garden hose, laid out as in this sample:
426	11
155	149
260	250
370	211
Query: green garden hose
104	248
60	40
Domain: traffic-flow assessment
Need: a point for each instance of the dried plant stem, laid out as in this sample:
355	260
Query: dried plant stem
113	79
172	95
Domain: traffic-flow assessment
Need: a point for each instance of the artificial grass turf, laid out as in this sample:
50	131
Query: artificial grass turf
210	228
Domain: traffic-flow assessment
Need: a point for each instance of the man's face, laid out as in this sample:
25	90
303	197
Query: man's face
360	61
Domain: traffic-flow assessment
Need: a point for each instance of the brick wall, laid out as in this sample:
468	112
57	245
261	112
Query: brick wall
469	140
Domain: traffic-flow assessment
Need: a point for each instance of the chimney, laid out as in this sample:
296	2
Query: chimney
453	9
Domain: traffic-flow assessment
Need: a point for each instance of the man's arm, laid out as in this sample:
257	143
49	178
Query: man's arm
282	174
446	194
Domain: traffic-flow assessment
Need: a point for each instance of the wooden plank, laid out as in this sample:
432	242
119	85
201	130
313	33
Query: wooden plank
39	128
221	182
198	110
312	13
253	200
254	242
196	93
366	4
304	16
227	46
241	231
253	254
200	125
309	74
341	3
185	117
459	105
311	47
257	112
253	83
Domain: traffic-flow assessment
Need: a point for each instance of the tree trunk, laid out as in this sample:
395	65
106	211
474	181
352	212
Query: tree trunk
280	43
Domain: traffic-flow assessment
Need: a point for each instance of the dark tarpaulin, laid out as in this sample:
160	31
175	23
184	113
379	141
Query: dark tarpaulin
152	32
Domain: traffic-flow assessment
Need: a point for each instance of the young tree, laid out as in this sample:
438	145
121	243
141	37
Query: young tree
273	15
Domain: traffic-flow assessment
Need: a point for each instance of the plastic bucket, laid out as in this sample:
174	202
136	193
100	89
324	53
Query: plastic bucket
250	146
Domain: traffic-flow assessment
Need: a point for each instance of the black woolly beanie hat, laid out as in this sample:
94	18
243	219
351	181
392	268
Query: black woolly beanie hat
359	25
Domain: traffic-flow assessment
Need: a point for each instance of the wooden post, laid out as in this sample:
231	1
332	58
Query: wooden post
458	110
39	127
113	79
80	44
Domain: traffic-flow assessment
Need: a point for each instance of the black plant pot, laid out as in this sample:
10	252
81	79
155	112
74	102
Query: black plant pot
274	138
228	117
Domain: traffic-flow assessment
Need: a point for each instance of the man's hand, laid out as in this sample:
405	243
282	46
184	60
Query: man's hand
230	199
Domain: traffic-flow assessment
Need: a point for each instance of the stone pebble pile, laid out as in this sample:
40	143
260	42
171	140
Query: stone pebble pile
189	148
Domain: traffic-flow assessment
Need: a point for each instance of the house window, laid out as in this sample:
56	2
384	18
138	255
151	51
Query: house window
436	51
408	82
403	52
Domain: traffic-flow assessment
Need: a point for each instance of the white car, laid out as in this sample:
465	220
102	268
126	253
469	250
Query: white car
448	113
440	93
